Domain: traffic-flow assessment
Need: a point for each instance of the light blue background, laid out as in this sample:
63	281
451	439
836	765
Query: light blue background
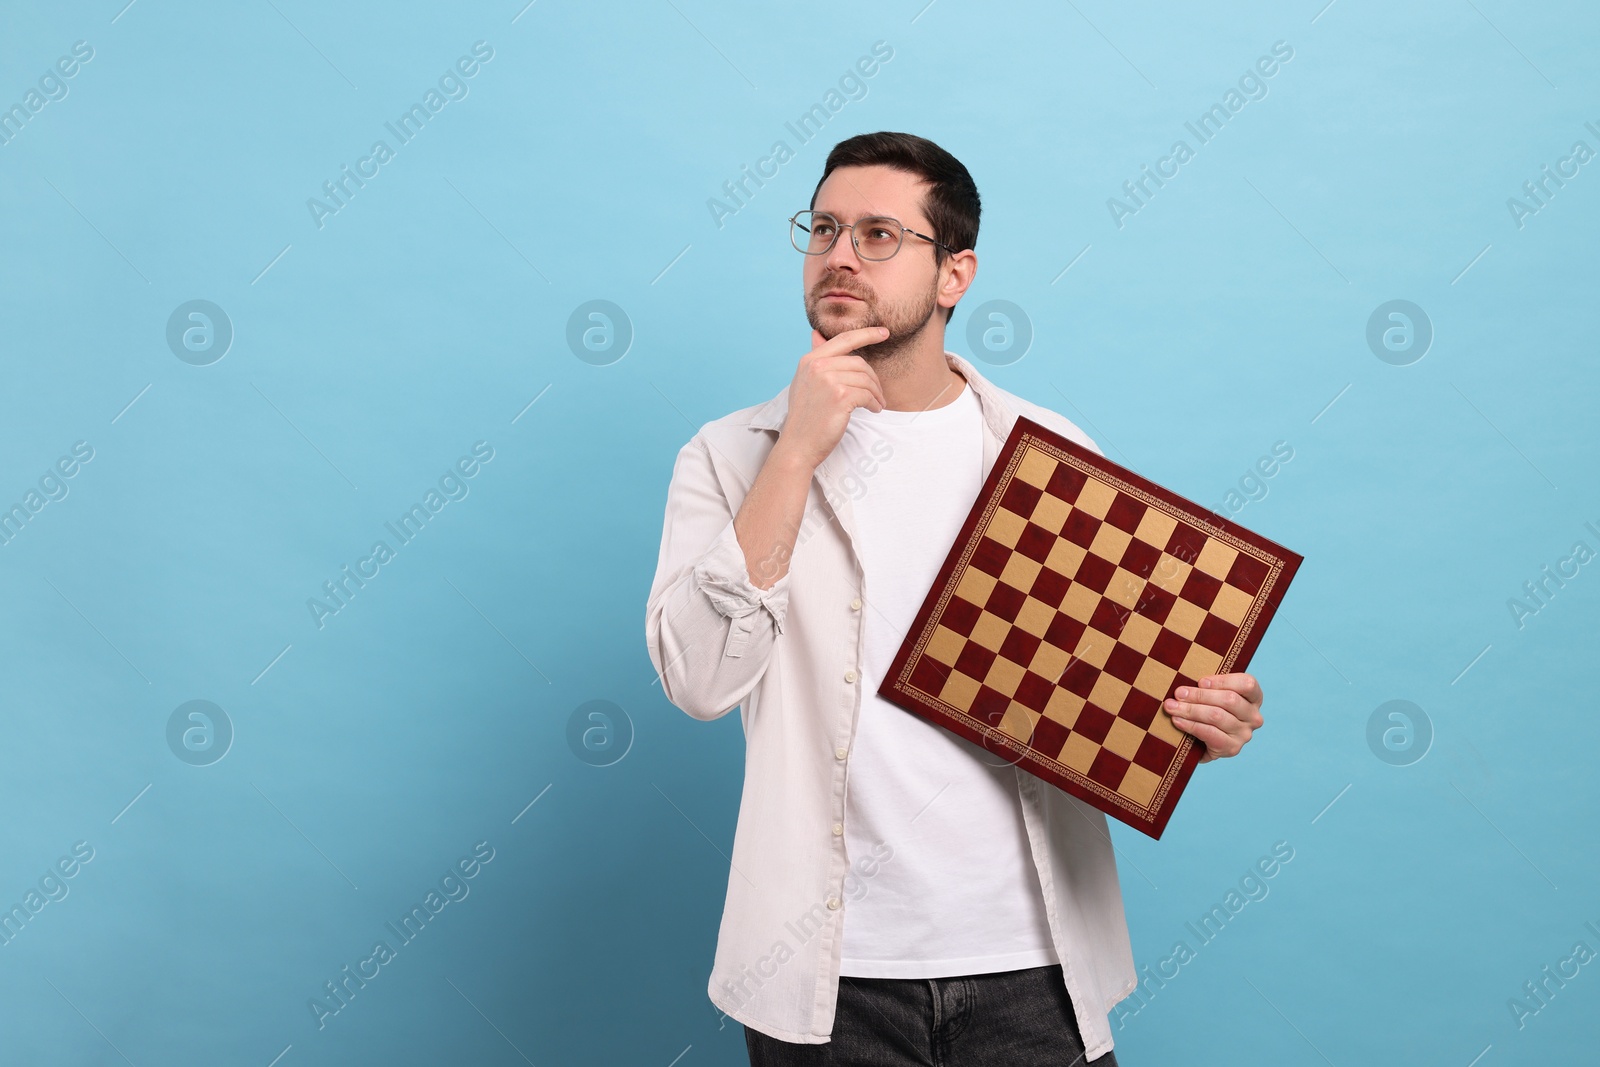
370	354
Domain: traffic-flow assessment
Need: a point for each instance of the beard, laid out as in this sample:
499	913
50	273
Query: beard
906	319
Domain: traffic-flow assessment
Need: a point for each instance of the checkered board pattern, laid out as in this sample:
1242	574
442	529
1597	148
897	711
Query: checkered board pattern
1076	599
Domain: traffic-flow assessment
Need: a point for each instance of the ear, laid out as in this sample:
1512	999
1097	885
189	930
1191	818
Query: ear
956	276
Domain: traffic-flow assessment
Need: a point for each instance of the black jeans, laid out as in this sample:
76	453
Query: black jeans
1016	1018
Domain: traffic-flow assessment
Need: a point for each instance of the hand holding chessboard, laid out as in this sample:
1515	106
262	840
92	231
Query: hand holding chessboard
1076	599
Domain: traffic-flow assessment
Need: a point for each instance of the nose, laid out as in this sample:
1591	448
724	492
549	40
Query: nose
842	256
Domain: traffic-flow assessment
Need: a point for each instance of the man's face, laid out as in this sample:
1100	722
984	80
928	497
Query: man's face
901	292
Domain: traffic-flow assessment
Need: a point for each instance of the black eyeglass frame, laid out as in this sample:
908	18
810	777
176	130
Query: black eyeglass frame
840	226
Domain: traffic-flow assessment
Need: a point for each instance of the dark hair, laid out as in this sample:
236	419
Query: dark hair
951	201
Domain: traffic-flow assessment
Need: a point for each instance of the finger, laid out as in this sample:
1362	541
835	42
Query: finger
1195	712
1217	742
865	379
1243	684
864	368
851	367
1239	723
866	398
1219	727
871	372
848	341
859	396
1226	699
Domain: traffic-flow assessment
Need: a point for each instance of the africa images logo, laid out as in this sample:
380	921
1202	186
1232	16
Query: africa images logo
453	485
338	992
452	85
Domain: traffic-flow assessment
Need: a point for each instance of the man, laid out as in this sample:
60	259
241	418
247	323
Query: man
897	893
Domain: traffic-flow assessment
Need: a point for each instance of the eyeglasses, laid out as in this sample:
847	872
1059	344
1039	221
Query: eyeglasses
876	237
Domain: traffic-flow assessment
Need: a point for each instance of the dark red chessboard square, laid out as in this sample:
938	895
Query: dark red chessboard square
1005	601
1125	514
1110	617
1019	646
1081	528
1124	663
1169	649
1248	573
1216	634
1108	768
929	675
975	661
1093	723
961	616
1066	483
1033	692
1050	587
1138	708
991	557
1036	542
1185	543
1049	735
989	706
1083	713
1064	631
1020	498
1079	677
1155	754
1154	603
1200	589
1141	558
1095	572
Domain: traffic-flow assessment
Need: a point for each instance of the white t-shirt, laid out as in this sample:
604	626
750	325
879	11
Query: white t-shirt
958	893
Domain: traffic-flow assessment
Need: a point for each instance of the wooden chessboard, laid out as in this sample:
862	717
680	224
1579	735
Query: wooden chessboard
1076	599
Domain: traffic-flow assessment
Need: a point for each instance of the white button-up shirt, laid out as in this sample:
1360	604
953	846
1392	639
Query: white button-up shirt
787	657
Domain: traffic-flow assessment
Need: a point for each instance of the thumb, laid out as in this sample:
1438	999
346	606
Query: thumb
817	340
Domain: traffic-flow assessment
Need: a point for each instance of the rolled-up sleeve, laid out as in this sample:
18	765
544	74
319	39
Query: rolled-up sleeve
710	630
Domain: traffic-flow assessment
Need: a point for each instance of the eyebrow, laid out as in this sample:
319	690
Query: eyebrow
870	215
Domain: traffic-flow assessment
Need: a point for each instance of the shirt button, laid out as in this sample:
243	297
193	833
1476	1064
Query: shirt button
838	829
841	752
855	605
833	903
850	675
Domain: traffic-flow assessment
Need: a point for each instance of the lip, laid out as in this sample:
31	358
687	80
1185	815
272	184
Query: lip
839	296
